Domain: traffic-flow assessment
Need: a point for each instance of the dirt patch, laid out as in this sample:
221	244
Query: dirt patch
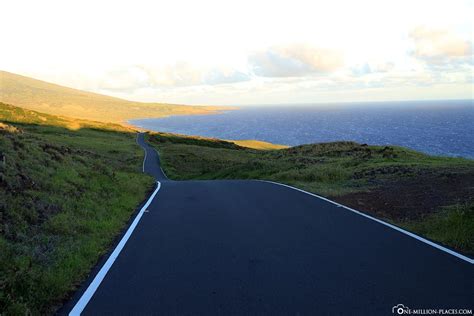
410	198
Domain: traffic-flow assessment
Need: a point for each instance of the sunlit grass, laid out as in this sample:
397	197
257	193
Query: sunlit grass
64	196
256	144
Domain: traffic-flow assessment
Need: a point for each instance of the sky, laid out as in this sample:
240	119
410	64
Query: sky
244	52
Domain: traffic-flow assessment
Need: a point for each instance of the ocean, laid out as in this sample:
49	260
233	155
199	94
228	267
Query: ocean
444	128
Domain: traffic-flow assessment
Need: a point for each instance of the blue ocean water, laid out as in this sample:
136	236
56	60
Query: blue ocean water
436	127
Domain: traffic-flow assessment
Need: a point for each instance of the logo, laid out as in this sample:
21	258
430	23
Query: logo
400	309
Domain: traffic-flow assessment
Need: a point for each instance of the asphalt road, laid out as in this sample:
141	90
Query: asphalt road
257	248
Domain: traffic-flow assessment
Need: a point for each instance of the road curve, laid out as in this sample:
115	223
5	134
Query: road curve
256	248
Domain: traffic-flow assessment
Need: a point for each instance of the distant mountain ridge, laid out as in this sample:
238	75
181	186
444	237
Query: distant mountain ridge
54	99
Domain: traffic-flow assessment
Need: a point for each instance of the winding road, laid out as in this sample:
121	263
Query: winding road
259	248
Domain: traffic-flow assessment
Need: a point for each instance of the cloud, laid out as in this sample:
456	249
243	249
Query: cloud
439	46
180	74
294	60
361	70
372	68
124	79
185	74
224	75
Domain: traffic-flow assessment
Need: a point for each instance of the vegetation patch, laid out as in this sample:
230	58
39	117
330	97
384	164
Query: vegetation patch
405	187
64	196
452	225
257	144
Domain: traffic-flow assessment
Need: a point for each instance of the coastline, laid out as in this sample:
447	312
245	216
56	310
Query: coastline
421	127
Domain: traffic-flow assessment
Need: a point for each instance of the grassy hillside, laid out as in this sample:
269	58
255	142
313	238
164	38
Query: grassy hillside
433	196
64	196
53	99
14	114
68	186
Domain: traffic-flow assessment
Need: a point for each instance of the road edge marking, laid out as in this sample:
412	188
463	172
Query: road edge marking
401	230
94	285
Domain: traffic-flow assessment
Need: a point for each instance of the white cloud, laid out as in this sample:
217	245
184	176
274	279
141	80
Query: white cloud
224	75
124	79
440	46
164	51
180	74
186	74
371	68
294	60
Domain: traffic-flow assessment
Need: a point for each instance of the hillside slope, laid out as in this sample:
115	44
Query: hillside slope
67	188
14	114
65	194
54	99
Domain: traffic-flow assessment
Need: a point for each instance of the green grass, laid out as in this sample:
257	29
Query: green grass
68	187
452	225
64	196
330	169
393	183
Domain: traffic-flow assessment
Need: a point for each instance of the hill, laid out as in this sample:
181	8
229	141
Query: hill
54	99
67	189
14	114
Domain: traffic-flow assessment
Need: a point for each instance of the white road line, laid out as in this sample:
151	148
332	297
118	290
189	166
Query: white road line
162	171
92	288
86	297
426	241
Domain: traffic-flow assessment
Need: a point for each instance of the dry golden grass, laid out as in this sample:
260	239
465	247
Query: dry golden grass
190	139
257	144
14	114
8	128
53	99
